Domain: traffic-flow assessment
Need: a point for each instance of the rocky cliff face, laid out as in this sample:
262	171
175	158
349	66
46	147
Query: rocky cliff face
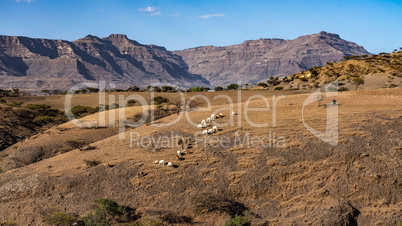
35	64
258	60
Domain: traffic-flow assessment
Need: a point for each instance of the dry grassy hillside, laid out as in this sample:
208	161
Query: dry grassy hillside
378	71
306	181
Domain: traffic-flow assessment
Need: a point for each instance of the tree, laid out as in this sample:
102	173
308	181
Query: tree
357	81
166	89
233	86
218	88
78	144
46	92
262	84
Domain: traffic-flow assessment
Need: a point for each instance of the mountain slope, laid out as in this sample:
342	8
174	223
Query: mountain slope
257	60
34	64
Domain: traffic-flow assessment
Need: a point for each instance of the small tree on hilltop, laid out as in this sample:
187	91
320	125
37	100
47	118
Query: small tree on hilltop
357	81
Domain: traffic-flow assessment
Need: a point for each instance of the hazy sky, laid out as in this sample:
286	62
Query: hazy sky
180	24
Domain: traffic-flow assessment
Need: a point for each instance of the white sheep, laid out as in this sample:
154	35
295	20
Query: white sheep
210	131
215	129
205	132
208	119
233	113
156	162
212	117
170	164
161	163
221	115
178	153
202	122
199	126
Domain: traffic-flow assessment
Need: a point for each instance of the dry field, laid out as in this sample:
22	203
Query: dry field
302	180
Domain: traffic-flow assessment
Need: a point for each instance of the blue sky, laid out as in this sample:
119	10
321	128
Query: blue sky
180	24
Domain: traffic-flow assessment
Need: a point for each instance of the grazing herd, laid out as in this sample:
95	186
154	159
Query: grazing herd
187	142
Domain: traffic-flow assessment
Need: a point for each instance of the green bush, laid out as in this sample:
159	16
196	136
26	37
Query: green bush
218	88
43	120
341	89
56	217
16	104
233	86
8	223
131	103
239	220
2	101
196	89
278	88
80	111
109	212
159	100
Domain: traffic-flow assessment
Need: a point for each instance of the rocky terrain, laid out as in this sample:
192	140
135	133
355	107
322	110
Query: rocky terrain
305	182
257	60
35	64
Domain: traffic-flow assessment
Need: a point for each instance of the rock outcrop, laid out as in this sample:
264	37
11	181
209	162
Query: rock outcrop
258	60
35	64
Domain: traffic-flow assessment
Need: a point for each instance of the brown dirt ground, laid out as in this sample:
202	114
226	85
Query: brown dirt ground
307	182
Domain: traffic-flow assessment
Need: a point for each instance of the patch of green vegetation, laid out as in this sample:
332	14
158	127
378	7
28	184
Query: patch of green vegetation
159	100
16	104
196	89
7	223
341	89
80	111
56	217
43	120
108	212
278	88
233	86
239	220
2	101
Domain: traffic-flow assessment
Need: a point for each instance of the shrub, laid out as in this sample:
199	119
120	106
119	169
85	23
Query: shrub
56	217
239	220
196	89
43	120
2	101
210	202
91	163
77	144
303	79
64	150
233	86
81	111
341	89
262	84
159	100
8	223
392	85
278	88
218	88
131	103
109	212
16	104
357	81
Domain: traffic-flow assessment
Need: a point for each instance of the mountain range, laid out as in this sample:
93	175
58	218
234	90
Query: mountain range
32	64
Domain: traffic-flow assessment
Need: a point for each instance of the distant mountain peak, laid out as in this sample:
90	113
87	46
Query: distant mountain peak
117	36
